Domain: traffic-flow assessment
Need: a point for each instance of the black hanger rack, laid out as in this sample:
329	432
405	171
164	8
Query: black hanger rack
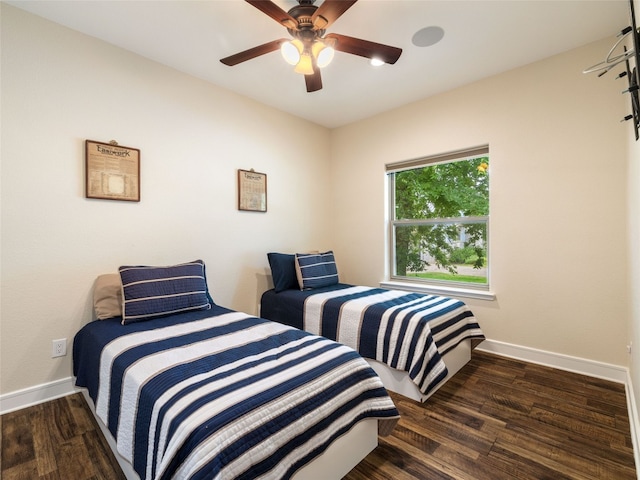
631	60
633	74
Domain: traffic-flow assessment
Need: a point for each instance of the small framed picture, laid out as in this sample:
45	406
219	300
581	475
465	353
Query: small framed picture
252	191
112	171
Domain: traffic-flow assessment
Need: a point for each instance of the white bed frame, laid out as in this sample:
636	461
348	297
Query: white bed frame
398	380
338	460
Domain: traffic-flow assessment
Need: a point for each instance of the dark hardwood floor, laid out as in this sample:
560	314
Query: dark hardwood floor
504	419
56	440
496	419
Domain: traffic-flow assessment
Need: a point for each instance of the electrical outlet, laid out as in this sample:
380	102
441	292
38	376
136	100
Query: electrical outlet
59	348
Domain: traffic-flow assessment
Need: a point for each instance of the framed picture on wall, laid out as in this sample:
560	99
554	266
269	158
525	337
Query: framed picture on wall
112	171
252	191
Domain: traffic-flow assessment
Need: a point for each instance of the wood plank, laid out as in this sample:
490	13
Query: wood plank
42	442
74	460
104	463
20	471
551	453
17	440
520	468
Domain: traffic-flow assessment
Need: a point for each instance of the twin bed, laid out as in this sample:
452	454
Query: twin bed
184	388
414	342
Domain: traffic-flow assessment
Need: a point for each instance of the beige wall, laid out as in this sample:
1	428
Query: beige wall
59	88
560	235
558	228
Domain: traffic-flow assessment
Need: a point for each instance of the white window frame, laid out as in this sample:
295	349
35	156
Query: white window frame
462	289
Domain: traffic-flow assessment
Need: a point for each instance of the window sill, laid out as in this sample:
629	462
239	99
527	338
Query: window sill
439	290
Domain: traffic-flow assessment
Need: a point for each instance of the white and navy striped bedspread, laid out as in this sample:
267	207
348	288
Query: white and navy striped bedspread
406	331
225	396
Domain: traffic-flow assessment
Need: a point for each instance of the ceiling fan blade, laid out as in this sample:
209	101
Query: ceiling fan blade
274	11
329	12
314	82
365	48
253	52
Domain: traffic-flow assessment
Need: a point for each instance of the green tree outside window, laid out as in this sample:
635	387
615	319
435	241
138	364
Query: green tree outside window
440	218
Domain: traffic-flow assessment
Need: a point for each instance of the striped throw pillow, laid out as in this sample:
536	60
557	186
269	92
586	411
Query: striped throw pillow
316	270
149	292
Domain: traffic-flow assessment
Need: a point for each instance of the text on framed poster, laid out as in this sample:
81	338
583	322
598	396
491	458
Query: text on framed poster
252	191
112	171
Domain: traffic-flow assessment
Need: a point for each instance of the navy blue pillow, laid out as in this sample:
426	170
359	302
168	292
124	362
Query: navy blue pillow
316	270
283	271
149	292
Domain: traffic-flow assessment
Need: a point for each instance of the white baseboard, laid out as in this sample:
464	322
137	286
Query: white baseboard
633	423
27	397
605	371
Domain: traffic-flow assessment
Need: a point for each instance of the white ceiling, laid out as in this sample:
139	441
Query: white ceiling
482	38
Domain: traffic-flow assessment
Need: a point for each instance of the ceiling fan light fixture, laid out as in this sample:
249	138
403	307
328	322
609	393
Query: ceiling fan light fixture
291	51
322	53
305	65
376	62
309	48
325	56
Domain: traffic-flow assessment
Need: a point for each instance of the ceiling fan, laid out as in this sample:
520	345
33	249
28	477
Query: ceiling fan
310	48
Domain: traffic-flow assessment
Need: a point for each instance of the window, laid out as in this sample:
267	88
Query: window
439	219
